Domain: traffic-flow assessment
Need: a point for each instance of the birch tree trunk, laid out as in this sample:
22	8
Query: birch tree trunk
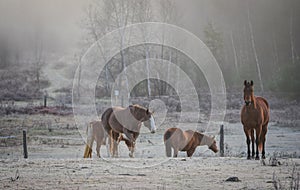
255	53
292	38
235	56
148	70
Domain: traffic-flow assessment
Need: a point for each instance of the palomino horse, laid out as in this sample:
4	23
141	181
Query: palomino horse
95	131
186	141
125	123
255	115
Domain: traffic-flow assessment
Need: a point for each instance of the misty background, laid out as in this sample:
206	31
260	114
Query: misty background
41	43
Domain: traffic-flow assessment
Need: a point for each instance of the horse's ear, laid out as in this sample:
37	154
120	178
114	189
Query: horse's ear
251	83
213	137
245	82
132	108
147	111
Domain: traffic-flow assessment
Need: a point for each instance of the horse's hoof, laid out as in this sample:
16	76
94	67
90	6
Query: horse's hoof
256	158
248	158
131	155
263	157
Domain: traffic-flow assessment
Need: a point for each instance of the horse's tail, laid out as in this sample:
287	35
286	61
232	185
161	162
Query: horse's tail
105	117
167	139
87	152
89	142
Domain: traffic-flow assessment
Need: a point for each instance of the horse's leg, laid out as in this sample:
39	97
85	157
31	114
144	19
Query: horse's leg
258	133
90	145
175	153
128	134
115	144
190	152
253	142
248	142
98	148
131	153
263	140
135	136
116	150
111	143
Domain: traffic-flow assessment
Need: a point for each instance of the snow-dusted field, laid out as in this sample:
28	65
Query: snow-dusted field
55	160
180	173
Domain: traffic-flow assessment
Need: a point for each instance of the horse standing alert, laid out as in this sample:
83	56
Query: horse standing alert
255	116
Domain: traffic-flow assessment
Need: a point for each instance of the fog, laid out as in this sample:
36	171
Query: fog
56	22
255	35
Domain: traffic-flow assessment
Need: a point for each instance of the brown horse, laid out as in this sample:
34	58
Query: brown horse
186	141
96	132
255	115
125	123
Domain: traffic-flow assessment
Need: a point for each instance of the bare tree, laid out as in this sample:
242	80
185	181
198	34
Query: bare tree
292	37
254	51
107	15
168	14
38	64
144	14
235	55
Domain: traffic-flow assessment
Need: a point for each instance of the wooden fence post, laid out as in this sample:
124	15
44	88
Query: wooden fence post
25	144
222	141
45	100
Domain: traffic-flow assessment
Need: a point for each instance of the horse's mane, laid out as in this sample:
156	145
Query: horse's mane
205	139
138	106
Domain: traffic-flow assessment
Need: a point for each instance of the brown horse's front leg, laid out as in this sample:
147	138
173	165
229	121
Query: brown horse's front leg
248	143
253	142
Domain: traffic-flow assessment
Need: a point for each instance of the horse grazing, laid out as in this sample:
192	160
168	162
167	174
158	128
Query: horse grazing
186	141
255	115
125	123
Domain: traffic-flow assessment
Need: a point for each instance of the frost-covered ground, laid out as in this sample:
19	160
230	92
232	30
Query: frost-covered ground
195	173
55	149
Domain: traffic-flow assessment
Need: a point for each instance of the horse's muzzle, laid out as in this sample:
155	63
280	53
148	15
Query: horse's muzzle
247	103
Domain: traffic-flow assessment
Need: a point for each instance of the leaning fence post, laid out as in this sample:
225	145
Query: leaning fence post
25	144
222	140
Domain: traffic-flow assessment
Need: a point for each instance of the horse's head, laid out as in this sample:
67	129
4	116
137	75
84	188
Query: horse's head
150	124
143	115
213	146
248	92
207	140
